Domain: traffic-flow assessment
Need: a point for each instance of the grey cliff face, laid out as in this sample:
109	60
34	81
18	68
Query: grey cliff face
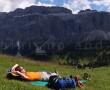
53	25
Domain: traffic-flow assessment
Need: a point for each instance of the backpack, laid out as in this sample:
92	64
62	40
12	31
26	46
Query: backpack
61	83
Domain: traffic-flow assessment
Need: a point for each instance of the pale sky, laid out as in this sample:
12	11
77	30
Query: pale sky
74	5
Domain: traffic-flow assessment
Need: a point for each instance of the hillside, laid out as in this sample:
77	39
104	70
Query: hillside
52	29
100	76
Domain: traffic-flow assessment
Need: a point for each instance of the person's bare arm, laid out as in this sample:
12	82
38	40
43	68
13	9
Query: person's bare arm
13	68
22	75
81	85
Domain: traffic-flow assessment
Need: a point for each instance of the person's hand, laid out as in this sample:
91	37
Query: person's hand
14	72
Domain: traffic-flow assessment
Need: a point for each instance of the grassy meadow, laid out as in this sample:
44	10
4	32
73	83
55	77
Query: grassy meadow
100	77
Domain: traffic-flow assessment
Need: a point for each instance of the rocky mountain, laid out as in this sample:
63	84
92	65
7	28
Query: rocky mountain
50	28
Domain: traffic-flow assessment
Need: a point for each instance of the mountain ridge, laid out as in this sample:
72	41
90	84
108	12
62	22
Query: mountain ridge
51	28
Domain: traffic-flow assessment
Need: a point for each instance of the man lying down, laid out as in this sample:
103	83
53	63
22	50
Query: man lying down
18	72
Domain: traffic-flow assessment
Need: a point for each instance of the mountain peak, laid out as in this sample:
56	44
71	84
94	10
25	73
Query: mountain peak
41	10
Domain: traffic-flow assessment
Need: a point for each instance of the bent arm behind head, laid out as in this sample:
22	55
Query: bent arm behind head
23	75
13	68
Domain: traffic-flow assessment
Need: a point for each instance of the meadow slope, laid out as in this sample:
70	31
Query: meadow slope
100	76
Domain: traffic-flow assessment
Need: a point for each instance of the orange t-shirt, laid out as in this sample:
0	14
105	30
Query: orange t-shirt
34	75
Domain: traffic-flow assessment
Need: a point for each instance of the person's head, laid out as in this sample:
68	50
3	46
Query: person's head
20	69
77	77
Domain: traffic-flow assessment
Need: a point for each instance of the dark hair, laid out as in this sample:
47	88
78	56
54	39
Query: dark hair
10	76
18	68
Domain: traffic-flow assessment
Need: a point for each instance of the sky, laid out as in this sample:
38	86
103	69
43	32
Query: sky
74	5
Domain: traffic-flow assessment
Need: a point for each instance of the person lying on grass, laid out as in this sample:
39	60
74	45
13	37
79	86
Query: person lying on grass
17	70
63	83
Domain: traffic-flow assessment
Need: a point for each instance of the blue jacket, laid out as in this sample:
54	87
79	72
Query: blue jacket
65	83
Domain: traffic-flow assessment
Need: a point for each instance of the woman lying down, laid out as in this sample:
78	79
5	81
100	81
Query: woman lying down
18	72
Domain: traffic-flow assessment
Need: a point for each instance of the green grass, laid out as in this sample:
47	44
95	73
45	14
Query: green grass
100	76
